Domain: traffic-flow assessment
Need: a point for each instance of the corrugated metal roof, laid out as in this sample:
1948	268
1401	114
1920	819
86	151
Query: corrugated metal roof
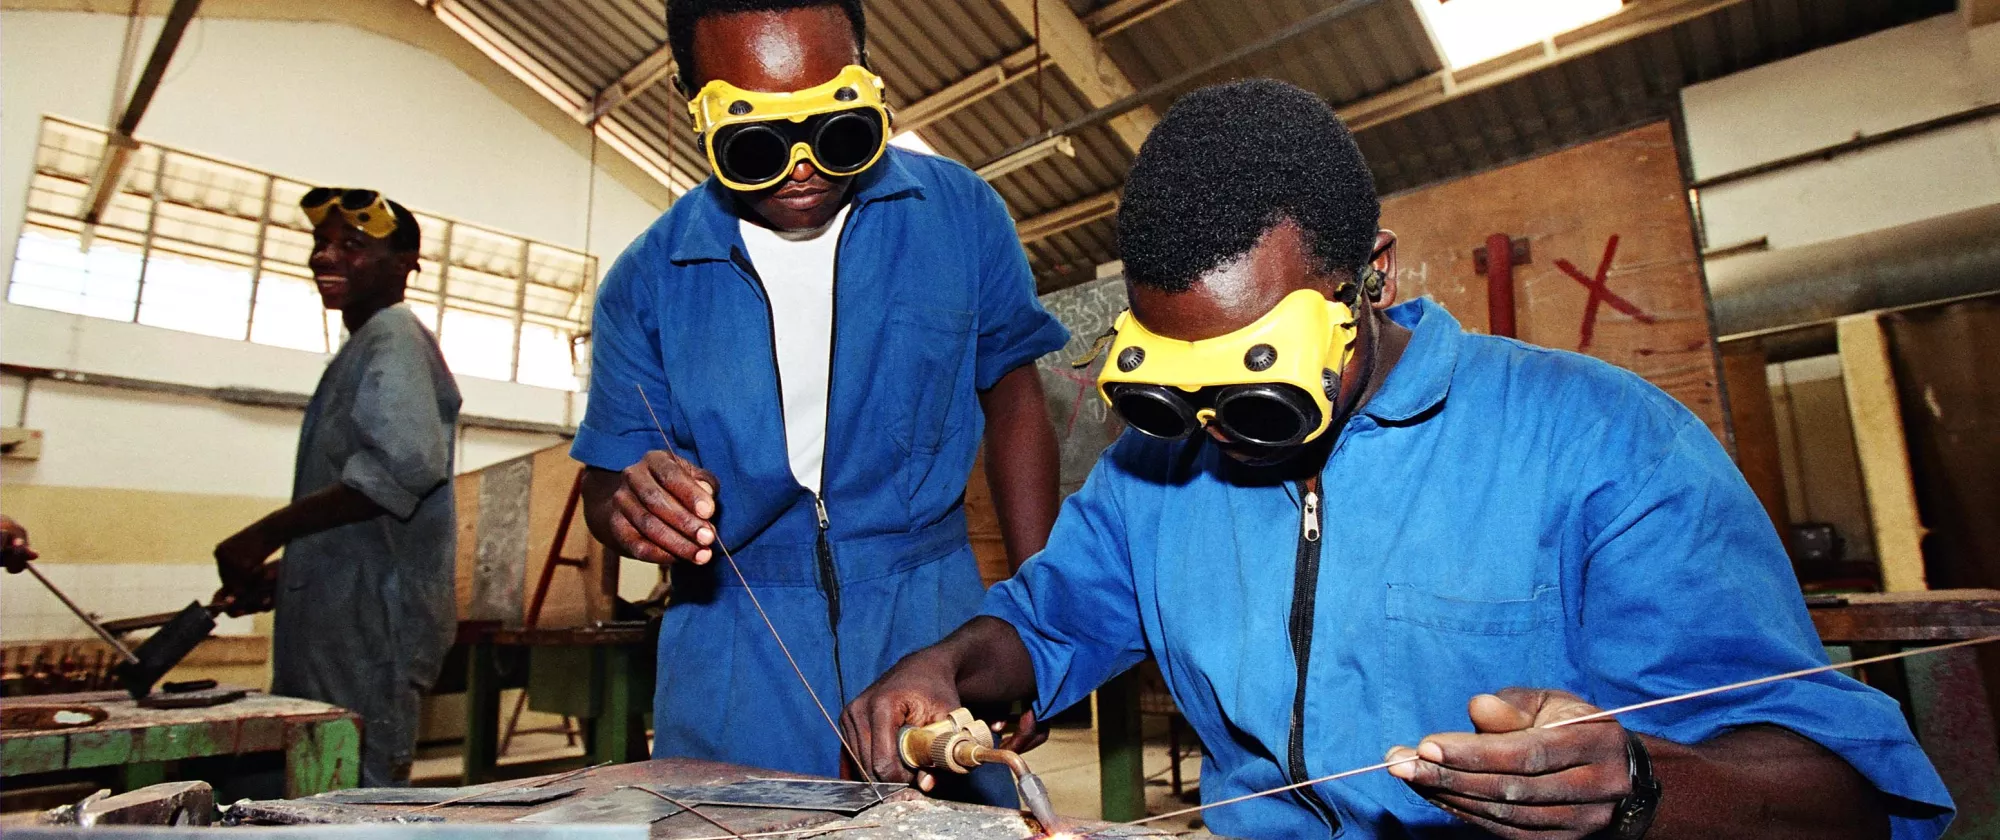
921	47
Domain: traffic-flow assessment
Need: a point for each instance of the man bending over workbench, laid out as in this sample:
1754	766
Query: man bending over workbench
364	595
1361	515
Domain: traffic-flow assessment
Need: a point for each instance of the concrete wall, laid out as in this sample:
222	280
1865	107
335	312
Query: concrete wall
1887	80
133	489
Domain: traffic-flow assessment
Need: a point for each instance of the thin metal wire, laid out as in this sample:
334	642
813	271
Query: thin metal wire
690	809
1595	716
786	649
487	790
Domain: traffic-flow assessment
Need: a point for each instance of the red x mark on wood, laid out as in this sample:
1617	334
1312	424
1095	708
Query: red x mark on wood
1599	293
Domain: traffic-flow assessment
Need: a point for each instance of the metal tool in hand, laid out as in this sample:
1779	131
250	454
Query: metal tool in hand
852	753
1594	716
961	742
124	652
154	657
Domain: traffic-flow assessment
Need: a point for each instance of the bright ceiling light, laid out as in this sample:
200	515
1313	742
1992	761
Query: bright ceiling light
1472	31
912	141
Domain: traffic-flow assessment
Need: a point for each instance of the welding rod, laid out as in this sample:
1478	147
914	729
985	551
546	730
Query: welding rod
1594	716
109	639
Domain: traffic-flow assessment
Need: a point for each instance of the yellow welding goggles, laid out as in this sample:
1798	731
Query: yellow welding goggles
367	210
1272	383
753	139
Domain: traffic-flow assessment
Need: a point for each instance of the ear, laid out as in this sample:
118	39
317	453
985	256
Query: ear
1384	261
406	264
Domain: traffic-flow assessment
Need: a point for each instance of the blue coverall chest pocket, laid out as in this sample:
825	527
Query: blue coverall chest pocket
1483	643
934	341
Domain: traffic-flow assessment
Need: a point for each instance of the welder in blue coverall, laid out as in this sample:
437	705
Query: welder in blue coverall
825	328
1338	520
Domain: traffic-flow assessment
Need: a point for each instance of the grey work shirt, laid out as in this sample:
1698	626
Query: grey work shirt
366	611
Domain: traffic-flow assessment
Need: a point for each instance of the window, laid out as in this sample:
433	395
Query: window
199	245
1472	31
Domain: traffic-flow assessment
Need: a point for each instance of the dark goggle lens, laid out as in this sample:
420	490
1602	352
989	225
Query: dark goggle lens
318	197
1267	415
1154	411
845	142
358	199
753	153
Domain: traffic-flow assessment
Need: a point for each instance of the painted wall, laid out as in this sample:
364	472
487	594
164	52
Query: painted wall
1887	80
133	490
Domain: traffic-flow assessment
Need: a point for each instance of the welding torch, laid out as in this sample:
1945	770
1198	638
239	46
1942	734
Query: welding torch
961	742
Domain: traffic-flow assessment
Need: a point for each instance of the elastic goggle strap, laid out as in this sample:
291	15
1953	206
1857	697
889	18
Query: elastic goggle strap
367	210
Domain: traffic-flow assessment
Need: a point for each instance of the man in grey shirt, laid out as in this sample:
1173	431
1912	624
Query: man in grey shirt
364	594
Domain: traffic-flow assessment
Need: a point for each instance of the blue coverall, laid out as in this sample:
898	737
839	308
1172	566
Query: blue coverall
933	303
1497	515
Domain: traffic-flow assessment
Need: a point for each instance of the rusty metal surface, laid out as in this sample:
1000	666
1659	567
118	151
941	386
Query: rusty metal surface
1935	616
906	813
675	772
632	633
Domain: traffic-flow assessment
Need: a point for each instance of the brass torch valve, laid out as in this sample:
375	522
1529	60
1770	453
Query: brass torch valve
961	742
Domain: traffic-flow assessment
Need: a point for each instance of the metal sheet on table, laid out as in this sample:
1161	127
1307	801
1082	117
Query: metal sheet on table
435	795
623	806
848	798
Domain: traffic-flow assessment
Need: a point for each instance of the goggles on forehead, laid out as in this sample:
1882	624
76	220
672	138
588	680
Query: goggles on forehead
1271	383
367	210
753	139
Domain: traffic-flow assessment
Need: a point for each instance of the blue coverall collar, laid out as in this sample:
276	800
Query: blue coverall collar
712	232
1422	377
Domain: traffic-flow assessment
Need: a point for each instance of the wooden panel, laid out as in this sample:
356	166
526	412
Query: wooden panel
1756	427
577	596
982	524
1948	377
465	495
1614	271
1885	457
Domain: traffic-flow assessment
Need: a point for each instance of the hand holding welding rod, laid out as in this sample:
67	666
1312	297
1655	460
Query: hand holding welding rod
662	509
961	742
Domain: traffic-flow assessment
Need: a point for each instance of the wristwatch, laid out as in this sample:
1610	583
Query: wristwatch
1633	815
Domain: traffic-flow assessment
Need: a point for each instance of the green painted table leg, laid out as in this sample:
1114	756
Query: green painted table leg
138	775
322	756
612	736
482	715
1119	759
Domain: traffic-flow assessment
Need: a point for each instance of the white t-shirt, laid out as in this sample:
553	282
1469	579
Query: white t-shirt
797	270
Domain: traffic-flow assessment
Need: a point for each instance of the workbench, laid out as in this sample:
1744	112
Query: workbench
602	676
320	744
1945	695
895	818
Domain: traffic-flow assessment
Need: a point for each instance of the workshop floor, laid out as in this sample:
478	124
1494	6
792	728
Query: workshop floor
1067	764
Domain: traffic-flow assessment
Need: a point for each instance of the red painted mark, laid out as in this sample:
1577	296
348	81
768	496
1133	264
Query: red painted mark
1083	386
1599	293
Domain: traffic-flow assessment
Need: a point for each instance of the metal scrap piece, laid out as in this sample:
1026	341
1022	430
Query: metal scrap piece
455	795
839	797
171	803
306	812
624	806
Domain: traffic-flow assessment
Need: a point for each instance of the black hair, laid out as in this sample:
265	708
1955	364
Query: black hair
408	237
1229	162
682	15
